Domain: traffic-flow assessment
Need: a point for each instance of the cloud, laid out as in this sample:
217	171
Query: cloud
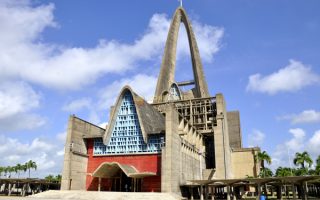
285	152
291	78
306	116
17	100
256	138
314	143
143	85
24	55
77	105
46	153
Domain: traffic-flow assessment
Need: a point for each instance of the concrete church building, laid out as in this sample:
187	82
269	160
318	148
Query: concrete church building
164	145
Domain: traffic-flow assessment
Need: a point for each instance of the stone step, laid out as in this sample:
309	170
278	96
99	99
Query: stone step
94	195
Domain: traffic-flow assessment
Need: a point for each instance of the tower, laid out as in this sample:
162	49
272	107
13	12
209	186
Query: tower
167	88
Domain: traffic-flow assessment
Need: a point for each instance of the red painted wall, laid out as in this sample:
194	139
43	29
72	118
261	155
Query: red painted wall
142	162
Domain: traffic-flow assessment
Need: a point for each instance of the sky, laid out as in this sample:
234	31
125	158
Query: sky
59	58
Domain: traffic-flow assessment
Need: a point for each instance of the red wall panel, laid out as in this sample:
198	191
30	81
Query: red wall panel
142	162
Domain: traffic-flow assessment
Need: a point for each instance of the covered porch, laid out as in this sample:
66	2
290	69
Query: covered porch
113	176
294	187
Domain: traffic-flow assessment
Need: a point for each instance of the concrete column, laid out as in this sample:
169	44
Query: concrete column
192	198
294	193
201	192
9	189
305	191
99	185
258	191
228	193
206	192
279	192
233	194
213	192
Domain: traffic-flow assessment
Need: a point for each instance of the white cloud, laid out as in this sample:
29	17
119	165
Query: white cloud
77	105
306	116
142	84
256	138
17	100
208	40
291	78
56	66
62	136
314	144
285	152
47	154
296	143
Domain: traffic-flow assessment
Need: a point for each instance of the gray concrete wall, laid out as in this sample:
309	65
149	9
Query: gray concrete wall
221	141
235	136
170	166
180	157
75	157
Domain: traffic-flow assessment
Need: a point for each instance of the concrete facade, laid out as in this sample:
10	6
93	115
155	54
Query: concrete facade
201	139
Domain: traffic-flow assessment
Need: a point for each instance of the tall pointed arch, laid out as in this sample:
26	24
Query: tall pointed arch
167	71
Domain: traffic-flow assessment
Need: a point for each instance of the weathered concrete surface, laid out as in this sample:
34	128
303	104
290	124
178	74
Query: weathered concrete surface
235	136
75	156
90	195
167	71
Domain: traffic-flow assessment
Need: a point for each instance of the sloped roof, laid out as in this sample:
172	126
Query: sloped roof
151	121
109	169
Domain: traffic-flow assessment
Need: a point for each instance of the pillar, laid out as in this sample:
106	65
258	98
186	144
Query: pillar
213	192
201	192
99	184
228	193
206	192
294	193
279	192
192	198
258	191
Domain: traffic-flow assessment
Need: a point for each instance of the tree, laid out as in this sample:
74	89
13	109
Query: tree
31	165
1	171
9	170
317	170
49	178
284	171
58	178
19	168
266	172
263	157
302	158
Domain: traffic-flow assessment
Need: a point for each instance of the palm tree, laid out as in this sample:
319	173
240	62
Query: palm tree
31	165
9	170
49	178
58	178
1	170
19	168
263	157
302	158
284	171
266	172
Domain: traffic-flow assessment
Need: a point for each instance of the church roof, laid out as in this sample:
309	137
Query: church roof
151	121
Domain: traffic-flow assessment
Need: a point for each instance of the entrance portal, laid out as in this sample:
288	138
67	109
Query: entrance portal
123	183
120	177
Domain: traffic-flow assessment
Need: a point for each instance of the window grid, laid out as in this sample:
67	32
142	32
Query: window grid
126	136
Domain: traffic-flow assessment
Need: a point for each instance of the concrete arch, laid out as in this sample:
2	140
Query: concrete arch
167	71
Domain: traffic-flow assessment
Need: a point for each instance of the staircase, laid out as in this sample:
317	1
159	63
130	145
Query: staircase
94	195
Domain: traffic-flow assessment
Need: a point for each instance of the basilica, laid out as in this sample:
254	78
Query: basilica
183	137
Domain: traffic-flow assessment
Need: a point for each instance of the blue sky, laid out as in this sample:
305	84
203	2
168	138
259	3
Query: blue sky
72	57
